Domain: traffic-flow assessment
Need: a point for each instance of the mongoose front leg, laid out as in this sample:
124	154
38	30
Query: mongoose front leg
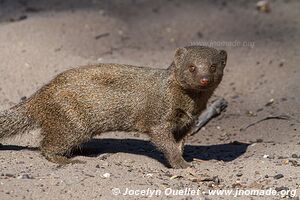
171	149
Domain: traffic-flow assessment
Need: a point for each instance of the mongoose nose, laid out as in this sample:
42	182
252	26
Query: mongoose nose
204	81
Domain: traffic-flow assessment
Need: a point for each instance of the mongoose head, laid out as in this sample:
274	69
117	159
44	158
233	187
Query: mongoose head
199	67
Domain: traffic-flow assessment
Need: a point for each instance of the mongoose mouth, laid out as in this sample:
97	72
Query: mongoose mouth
205	88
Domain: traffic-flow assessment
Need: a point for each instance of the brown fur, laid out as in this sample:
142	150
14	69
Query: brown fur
90	100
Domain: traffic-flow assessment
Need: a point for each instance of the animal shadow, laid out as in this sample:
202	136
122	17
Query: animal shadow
225	152
95	147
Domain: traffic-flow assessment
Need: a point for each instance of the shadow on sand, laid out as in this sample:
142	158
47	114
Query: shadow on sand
95	147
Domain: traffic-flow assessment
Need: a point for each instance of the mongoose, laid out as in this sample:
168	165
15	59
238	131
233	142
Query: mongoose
87	101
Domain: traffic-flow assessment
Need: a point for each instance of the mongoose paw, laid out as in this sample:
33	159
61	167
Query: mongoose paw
181	165
62	160
75	161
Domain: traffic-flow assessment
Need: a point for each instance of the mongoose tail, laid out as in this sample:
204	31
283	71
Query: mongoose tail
14	121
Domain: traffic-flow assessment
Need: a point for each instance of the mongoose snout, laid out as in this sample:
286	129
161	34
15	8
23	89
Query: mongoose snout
204	81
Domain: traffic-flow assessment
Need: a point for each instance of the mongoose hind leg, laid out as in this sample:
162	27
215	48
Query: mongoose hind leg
58	142
63	128
61	159
57	149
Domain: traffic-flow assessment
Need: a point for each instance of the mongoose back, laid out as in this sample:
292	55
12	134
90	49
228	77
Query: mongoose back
87	101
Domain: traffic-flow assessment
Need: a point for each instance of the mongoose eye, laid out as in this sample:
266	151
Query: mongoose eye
213	68
192	68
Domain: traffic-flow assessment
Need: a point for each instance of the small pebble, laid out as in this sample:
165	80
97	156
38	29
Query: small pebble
271	157
287	161
281	64
199	34
259	140
278	189
278	176
239	174
106	175
282	157
294	163
8	175
25	176
263	6
270	102
149	175
216	180
266	156
250	113
104	156
23	98
295	156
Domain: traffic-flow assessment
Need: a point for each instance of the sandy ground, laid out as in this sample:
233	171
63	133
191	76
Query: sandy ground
39	39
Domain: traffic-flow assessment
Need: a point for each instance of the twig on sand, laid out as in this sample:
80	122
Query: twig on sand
212	111
101	35
281	117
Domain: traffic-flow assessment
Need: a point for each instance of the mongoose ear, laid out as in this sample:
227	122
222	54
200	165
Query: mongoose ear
223	55
179	54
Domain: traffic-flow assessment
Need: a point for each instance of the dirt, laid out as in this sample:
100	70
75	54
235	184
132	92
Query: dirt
39	39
